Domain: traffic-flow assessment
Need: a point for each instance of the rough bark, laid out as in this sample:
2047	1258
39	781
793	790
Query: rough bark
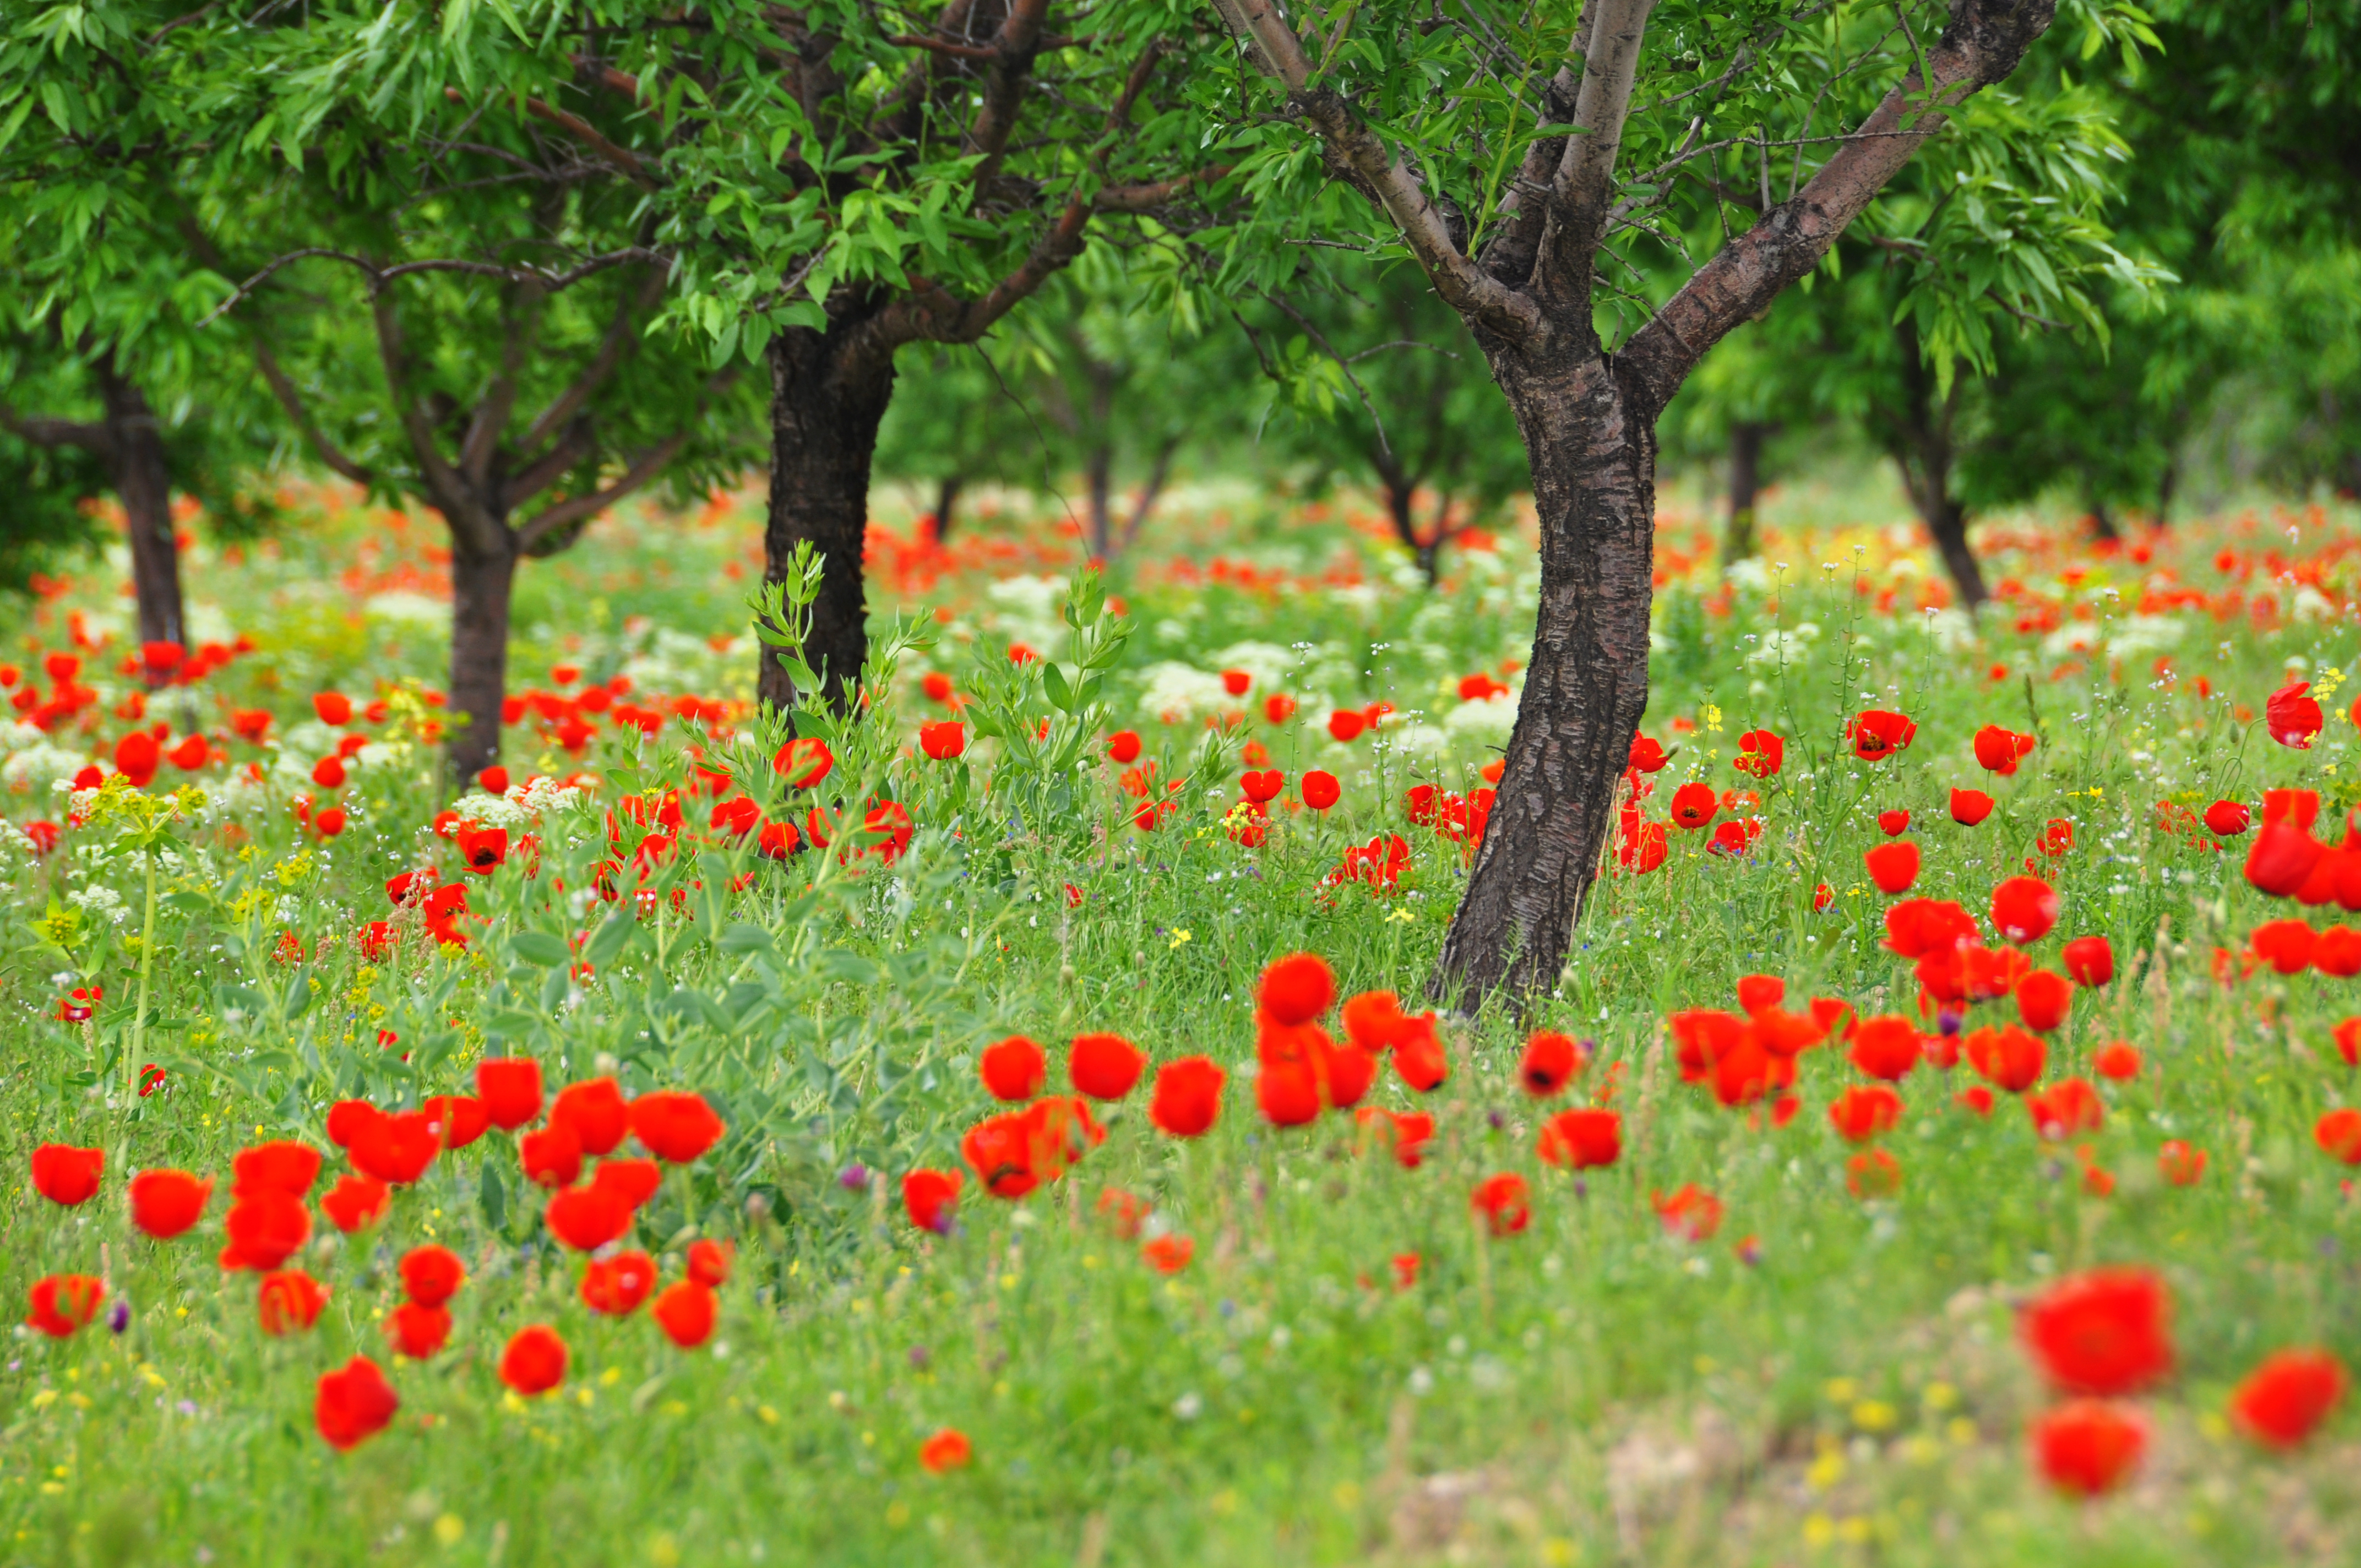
1593	449
828	398
143	482
1737	537
481	580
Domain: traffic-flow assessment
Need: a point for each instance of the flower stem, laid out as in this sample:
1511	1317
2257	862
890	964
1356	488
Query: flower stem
147	969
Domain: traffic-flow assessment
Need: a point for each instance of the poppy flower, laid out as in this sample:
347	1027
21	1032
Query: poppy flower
2347	1035
2337	951
1876	734
432	1275
65	1174
2087	1447
2008	1058
2227	818
1188	1097
594	1110
1970	807
1886	1046
710	1261
1550	1063
1694	806
2285	1398
396	1146
1893	867
1647	755
288	1167
265	1227
2043	1000
1169	1253
1501	1200
2065	1108
1263	787
1581	1138
2338	1134
1320	789
616	1286
353	1404
1105	1066
1296	989
345	1119
1689	1214
1894	824
1760	753
1998	750
942	739
2023	908
2179	1164
947	1451
1346	1072
2119	1060
551	1156
355	1202
1918	926
1874	1173
1419	1055
685	1312
1014	1069
2285	945
2293	719
586	1218
2104	1333
1000	1150
1344	726
136	757
1123	746
631	1182
534	1360
1643	846
482	850
2089	961
460	1119
164	1203
2283	856
1757	993
676	1126
1288	1092
1975	1098
60	1304
1862	1112
417	1332
1373	1020
804	763
290	1300
930	1198
1735	837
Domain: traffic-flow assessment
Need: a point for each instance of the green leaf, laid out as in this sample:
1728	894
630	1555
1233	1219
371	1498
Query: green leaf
739	938
614	934
538	949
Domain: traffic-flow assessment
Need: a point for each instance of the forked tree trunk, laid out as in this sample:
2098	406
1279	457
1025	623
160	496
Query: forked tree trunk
481	582
1737	536
826	406
1593	452
144	484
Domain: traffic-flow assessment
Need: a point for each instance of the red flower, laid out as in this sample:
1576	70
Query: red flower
1862	1112
2066	1107
1578	1139
2089	961
1876	734
333	708
942	739
395	1147
1874	1173
2293	719
1105	1066
1647	755
166	1202
947	1450
1975	1098
1289	1093
66	1175
535	1361
2119	1060
2285	945
1918	926
586	1218
510	1088
1419	1055
931	1197
1278	708
1970	807
685	1312
2339	1134
552	1156
594	1112
616	1286
710	1262
1694	806
2104	1333
1014	1069
1170	1254
1689	1213
2087	1447
1501	1199
2023	908
1296	989
460	1119
482	849
2347	1035
1123	746
2057	837
1550	1063
1320	789
1345	726
2227	818
432	1275
1264	787
2283	855
1760	753
265	1228
2043	1000
631	1182
2287	1396
137	756
1188	1097
417	1332
2181	1165
290	1300
1406	1133
2007	1057
1886	1046
1893	867
356	1202
803	763
1999	750
60	1304
675	1125
2338	952
354	1403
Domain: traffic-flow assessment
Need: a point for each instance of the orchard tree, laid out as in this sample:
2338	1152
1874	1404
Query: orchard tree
1543	171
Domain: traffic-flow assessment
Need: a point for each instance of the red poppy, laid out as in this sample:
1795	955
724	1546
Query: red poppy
482	849
2087	1447
1689	1213
1345	725
2347	1035
1551	1062
1886	1046
1876	734
535	1361
2007	1057
1760	753
1501	1200
1169	1253
65	1174
1188	1097
2287	1396
595	1111
1581	1138
2065	1108
1758	992
616	1286
60	1304
2057	837
1419	1055
164	1203
1918	926
2103	1334
1288	1092
290	1300
804	763
1346	1072
2089	961
432	1275
333	708
1105	1066
930	1198
1014	1069
710	1261
1893	867
2119	1060
1735	836
510	1088
1000	1150
1263	787
1862	1112
2337	952
2023	908
417	1332
942	739
630	1182
2285	945
1296	989
2043	1000
552	1156
685	1312
676	1126
947	1451
395	1148
355	1202
2293	719
458	1119
1970	807
2338	1134
353	1404
1694	806
1975	1098
265	1227
1320	789
2227	818
1999	750
2283	856
137	756
1373	1019
586	1218
1123	746
2179	1164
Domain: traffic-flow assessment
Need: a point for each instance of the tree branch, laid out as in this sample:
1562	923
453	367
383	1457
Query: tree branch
1012	49
625	160
469	519
1508	254
521	311
282	386
610	353
43	431
1584	186
575	443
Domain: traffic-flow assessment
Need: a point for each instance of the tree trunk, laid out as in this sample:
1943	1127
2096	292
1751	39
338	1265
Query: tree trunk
2103	522
1593	452
1746	438
1920	436
481	582
145	485
826	406
1144	502
946	495
1101	481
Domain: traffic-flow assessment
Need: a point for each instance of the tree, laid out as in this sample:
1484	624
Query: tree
1425	122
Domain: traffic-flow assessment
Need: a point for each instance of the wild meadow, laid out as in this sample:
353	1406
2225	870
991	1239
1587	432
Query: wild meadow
925	1138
